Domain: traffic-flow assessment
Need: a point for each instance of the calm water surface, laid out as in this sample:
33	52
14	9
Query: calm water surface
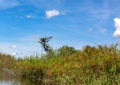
7	79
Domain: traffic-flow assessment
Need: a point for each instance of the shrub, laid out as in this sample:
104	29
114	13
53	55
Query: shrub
66	51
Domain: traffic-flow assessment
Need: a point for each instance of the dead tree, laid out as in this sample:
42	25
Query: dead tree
44	42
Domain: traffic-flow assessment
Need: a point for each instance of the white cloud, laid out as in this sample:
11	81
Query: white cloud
14	53
52	13
90	30
25	16
14	46
23	49
117	26
4	4
103	30
28	16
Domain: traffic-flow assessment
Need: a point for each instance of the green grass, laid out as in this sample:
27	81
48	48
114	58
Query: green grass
98	65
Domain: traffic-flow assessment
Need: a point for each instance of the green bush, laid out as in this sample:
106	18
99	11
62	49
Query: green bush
66	51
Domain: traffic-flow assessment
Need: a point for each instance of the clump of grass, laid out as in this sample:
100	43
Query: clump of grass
6	61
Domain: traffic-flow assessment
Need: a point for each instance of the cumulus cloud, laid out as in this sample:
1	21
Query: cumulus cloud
117	26
52	13
4	4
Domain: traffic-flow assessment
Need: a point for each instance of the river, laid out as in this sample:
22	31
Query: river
7	79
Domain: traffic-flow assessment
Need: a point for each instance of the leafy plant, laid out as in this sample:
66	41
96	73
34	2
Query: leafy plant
66	50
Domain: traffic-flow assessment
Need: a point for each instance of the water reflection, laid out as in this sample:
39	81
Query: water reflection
7	79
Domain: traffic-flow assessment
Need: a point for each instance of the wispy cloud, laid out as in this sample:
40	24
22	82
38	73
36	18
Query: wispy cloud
14	46
14	53
4	4
117	26
31	38
25	17
90	30
101	14
102	30
21	50
28	16
51	13
46	4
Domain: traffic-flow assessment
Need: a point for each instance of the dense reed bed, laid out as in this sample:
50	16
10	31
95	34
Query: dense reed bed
98	65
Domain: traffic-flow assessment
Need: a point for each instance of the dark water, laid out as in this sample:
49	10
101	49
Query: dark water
7	79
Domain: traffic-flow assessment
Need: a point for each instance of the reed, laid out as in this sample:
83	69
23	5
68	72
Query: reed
98	65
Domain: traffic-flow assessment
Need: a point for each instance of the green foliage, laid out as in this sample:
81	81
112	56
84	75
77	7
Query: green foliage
6	61
98	65
66	51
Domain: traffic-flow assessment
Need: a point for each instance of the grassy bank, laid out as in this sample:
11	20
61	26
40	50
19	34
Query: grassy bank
98	65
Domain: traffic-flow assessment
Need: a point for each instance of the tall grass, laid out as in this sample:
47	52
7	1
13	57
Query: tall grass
6	61
98	65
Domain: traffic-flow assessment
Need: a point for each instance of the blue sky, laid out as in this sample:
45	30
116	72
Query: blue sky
70	22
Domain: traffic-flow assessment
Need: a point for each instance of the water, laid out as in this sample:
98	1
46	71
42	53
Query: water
7	79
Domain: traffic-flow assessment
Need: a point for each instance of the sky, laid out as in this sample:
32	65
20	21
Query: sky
74	23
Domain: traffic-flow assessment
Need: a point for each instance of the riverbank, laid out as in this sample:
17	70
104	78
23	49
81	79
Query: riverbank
98	65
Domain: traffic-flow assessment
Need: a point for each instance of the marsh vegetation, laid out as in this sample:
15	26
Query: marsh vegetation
98	65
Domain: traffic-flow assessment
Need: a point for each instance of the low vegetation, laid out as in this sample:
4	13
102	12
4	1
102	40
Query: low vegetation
98	65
